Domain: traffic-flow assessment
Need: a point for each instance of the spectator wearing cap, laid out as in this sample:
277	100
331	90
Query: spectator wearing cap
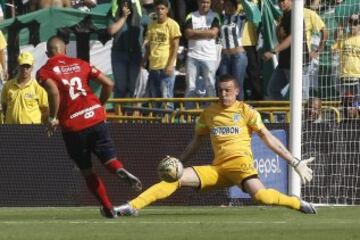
348	48
23	100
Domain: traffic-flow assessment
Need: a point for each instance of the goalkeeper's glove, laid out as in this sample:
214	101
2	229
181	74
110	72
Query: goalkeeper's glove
302	169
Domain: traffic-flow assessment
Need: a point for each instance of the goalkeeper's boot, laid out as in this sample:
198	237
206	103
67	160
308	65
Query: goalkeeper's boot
133	181
307	207
108	213
126	210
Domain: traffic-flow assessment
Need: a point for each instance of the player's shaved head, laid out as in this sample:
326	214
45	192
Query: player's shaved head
55	45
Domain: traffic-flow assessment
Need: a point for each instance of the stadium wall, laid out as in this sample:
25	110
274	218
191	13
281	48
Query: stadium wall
36	170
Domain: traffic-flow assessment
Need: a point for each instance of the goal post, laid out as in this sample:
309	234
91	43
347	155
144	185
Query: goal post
296	75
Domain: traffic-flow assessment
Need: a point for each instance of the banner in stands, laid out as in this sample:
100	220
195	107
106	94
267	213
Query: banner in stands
36	27
272	169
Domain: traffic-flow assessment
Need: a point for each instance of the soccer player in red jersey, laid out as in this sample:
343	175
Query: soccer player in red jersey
81	116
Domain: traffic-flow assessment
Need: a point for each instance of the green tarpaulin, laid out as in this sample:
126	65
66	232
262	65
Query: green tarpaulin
51	19
346	9
38	26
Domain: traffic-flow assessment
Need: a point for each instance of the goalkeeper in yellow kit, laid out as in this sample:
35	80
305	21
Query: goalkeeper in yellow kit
230	124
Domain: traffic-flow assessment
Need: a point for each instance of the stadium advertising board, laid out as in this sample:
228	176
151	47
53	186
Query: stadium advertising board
272	169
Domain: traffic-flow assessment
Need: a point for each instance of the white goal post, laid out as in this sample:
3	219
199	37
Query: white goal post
296	69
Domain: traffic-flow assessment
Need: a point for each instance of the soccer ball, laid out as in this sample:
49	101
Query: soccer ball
170	169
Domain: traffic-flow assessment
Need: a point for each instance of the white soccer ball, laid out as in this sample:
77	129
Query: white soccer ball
170	169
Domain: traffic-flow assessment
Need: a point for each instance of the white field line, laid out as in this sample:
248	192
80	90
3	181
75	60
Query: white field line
156	209
114	221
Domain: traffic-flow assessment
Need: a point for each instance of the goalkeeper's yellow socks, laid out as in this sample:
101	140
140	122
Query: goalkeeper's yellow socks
156	192
274	197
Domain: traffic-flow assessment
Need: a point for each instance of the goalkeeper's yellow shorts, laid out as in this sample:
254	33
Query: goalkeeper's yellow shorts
227	174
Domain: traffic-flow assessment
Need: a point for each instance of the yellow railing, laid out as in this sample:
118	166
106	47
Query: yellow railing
156	110
131	110
333	109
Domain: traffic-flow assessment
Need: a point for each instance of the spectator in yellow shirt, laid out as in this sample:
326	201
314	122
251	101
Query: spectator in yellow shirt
23	100
162	39
280	78
348	46
316	36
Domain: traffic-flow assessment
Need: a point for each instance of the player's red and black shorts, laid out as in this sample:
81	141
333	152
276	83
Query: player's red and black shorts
95	139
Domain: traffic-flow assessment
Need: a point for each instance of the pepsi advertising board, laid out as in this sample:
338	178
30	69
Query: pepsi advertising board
272	169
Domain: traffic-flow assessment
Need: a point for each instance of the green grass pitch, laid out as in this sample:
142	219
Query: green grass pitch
170	223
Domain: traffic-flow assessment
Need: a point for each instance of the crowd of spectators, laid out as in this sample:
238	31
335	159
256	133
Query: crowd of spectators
217	37
13	8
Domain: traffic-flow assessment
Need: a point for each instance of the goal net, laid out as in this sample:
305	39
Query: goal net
332	135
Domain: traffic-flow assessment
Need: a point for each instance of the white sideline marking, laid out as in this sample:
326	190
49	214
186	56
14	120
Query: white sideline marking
115	221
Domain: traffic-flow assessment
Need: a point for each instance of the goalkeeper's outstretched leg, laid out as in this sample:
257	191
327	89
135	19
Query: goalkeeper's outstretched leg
162	190
269	196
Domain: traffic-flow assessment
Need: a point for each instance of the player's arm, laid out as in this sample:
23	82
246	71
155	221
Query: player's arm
275	144
192	147
107	87
54	102
54	97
